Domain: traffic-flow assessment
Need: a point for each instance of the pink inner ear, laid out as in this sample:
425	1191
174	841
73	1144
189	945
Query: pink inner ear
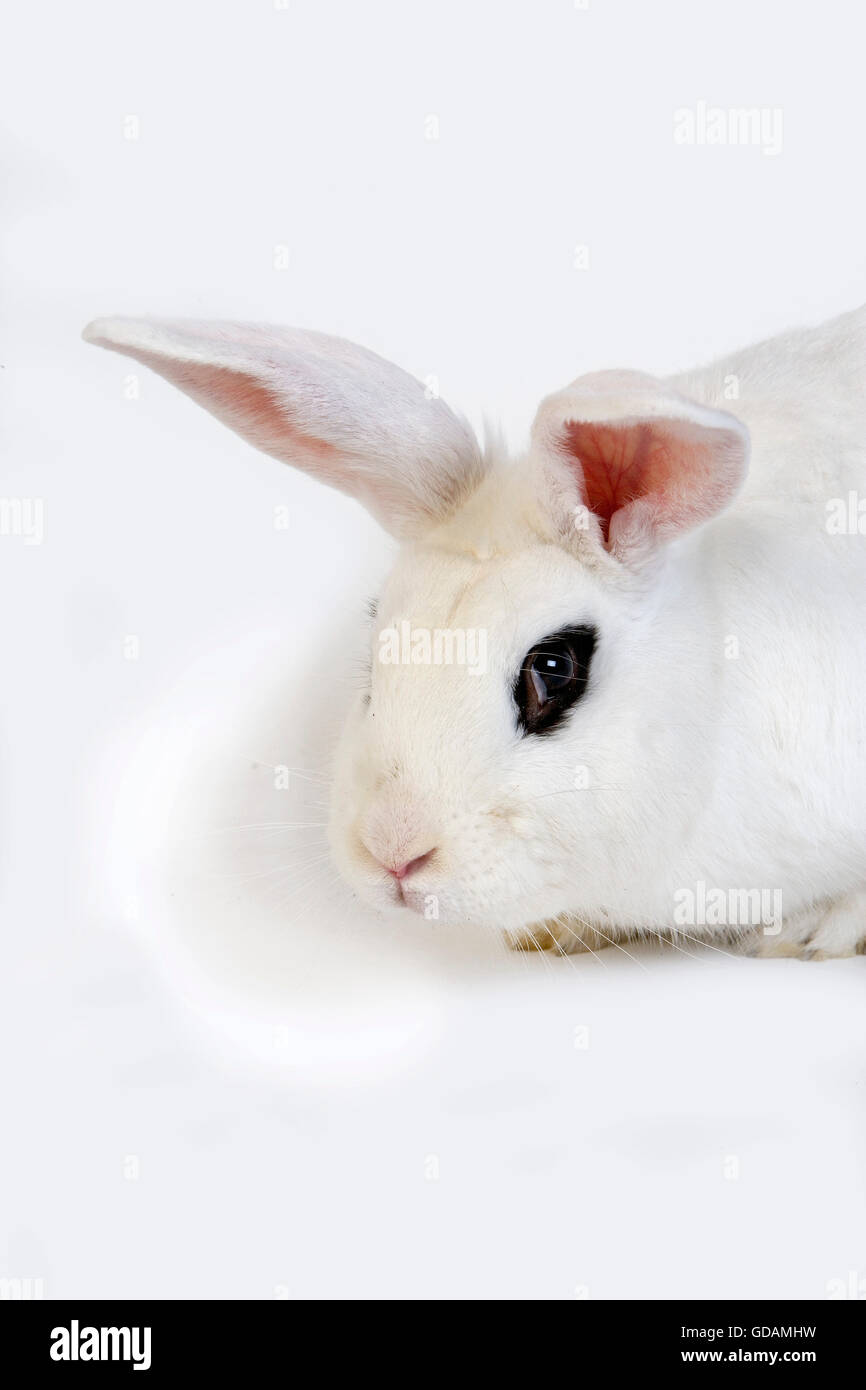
248	406
620	463
259	414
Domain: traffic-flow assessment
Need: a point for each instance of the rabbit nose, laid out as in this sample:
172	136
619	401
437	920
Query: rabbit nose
401	871
397	835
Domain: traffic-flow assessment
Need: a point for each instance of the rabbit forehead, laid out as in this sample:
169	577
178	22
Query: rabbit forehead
505	593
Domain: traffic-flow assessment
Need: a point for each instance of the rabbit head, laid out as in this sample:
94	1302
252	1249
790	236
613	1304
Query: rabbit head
528	741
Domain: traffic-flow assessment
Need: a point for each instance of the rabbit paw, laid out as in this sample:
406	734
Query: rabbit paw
565	936
837	931
841	930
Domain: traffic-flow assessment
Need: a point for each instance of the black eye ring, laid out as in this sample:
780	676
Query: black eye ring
553	676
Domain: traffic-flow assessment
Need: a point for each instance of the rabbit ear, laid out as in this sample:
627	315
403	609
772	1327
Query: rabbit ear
335	410
626	458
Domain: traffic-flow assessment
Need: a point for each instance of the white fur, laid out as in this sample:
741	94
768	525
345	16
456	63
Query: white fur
722	740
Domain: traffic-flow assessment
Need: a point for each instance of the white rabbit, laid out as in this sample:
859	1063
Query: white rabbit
617	684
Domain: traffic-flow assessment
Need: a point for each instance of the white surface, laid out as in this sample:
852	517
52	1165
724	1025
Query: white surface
285	1071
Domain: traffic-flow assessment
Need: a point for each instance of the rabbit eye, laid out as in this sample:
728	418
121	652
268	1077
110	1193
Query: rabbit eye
552	677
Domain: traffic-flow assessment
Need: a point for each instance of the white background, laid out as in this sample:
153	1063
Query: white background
219	1078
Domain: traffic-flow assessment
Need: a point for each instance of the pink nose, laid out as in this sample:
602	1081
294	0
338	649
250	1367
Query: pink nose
401	871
